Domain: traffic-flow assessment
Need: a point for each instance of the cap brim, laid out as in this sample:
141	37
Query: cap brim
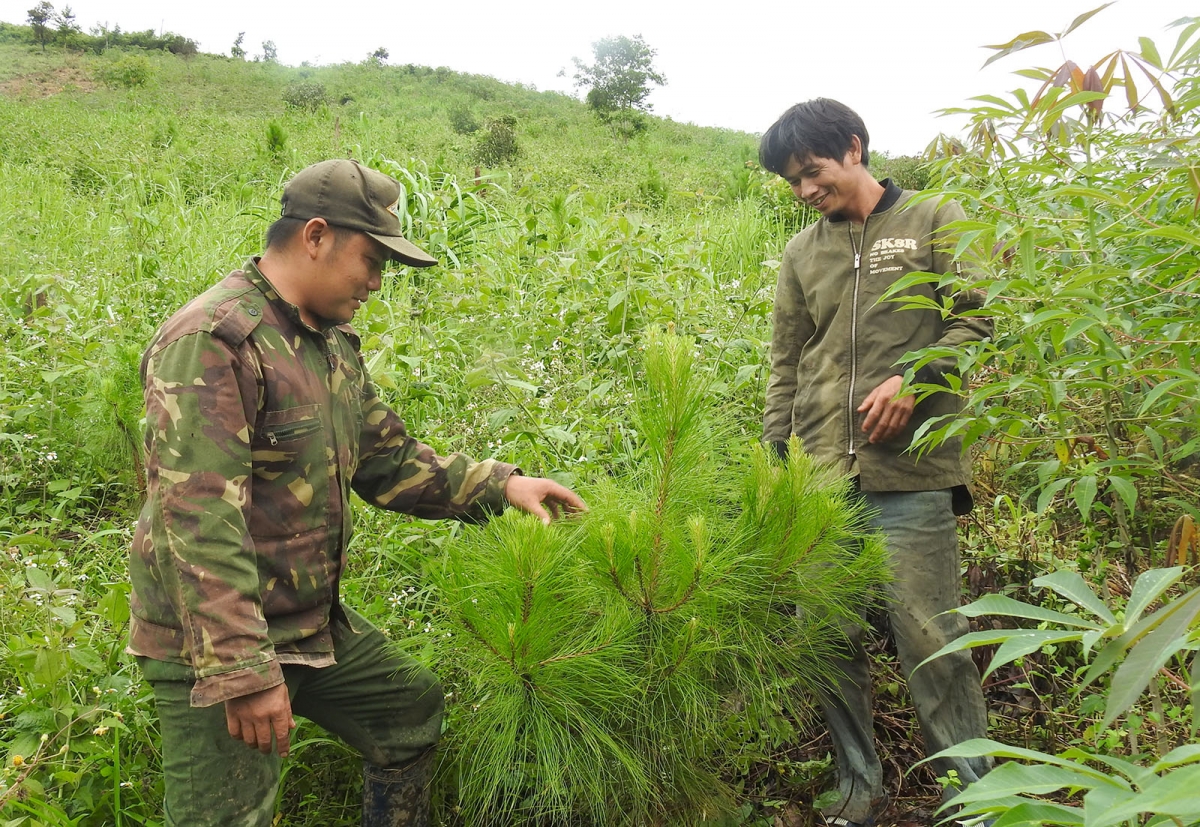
404	251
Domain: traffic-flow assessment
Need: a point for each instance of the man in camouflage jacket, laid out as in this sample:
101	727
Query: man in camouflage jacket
261	419
837	382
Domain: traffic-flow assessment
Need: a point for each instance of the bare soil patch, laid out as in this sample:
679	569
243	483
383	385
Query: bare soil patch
47	82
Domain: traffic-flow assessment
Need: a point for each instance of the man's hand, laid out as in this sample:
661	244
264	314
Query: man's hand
886	415
535	494
253	718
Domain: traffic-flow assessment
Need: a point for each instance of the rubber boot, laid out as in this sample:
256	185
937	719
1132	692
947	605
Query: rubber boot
398	797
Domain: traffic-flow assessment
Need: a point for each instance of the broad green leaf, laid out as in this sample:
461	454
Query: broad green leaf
1146	589
1149	654
1013	644
1156	392
39	579
1150	52
1083	18
1071	585
1021	41
1038	813
89	660
1187	754
1048	493
1125	490
998	604
1101	801
1174	794
1084	494
1172	233
1013	778
976	747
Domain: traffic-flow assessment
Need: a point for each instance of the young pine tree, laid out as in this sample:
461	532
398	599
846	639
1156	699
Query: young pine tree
600	665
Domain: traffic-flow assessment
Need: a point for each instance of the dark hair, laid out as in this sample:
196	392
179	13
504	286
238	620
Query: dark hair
821	127
281	233
285	229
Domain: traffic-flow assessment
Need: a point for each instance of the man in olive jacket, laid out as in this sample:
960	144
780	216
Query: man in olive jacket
837	382
260	420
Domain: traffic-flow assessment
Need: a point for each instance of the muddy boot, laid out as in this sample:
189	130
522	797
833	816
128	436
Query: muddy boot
398	797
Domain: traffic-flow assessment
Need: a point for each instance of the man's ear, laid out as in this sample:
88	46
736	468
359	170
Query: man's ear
854	153
315	232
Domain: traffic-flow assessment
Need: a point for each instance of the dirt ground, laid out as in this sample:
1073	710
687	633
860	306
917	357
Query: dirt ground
43	84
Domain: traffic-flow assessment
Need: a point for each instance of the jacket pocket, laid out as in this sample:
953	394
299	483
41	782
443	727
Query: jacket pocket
290	490
294	584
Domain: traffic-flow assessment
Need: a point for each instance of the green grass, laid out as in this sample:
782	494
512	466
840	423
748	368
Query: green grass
120	204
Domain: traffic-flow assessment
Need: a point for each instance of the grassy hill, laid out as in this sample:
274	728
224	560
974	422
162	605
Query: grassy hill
131	180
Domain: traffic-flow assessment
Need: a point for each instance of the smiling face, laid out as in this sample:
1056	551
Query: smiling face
825	184
349	268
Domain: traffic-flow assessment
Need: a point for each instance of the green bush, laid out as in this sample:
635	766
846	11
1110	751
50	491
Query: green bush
129	70
306	95
496	143
462	120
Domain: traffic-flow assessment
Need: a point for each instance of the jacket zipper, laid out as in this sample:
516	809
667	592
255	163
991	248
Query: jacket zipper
857	248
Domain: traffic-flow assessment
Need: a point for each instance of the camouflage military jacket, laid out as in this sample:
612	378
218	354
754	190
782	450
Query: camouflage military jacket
834	340
257	429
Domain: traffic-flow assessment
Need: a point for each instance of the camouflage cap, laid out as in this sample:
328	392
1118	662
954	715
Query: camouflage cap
347	194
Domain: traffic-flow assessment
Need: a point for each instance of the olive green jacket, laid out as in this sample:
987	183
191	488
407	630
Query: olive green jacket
257	429
834	341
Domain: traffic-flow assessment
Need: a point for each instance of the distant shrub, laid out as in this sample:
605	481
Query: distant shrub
653	188
497	141
307	95
907	171
128	71
463	121
276	139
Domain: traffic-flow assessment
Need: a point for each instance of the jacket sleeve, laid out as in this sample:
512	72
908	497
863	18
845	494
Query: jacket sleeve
200	399
792	328
964	324
400	473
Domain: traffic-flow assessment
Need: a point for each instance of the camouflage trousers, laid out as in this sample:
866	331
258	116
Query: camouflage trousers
923	545
378	701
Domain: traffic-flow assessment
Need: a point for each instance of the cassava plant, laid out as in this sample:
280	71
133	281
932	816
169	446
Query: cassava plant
598	665
1083	199
1089	786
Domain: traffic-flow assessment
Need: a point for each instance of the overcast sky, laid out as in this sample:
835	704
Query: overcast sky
734	65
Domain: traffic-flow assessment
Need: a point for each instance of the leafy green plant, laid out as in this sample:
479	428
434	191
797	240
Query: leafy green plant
1083	231
619	81
1142	640
309	96
129	70
600	667
496	144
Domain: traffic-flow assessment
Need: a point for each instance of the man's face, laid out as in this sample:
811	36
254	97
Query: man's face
825	184
351	269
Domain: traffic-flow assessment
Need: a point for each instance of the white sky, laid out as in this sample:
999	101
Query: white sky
728	65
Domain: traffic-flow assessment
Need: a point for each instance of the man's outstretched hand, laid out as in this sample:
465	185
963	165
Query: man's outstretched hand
254	718
535	495
886	415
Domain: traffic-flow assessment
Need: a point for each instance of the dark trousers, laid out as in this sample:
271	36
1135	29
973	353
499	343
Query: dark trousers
923	545
378	701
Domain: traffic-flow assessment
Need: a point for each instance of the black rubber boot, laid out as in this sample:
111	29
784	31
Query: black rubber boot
398	797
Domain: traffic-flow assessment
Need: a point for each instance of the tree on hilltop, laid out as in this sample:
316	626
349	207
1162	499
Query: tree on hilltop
39	18
237	50
619	80
66	22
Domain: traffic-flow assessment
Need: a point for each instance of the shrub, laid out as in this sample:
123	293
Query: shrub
129	70
307	95
462	120
497	143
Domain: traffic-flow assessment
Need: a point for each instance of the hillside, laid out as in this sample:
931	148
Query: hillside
132	179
